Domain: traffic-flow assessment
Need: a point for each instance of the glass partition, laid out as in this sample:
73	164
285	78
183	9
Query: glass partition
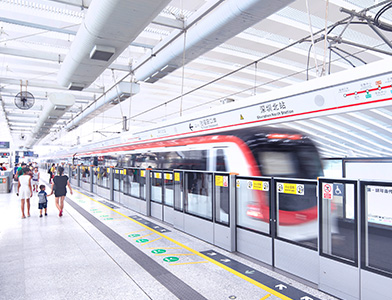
168	187
338	213
377	226
116	179
74	173
95	175
103	174
296	218
85	174
156	186
222	198
253	203
198	194
142	182
178	190
123	179
131	182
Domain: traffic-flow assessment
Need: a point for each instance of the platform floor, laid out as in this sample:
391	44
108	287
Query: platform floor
98	252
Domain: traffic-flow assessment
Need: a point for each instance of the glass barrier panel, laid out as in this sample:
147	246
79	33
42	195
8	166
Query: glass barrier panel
338	220
142	184
168	187
74	173
134	175
123	178
178	190
85	174
198	194
95	175
116	179
106	177
253	204
297	212
222	199
378	227
156	186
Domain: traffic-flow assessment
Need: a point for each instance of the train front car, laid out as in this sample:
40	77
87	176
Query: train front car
283	153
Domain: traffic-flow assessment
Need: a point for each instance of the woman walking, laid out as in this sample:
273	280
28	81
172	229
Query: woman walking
59	186
24	191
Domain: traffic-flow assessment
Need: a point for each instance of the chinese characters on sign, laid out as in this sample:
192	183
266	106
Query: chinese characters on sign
274	109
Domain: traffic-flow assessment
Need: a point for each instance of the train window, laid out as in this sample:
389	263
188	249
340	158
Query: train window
220	161
277	163
190	160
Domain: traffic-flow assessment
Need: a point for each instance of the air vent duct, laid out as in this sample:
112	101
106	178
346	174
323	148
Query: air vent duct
117	94
102	53
75	86
56	107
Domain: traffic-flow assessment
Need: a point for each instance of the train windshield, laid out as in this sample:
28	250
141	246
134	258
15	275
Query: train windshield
296	161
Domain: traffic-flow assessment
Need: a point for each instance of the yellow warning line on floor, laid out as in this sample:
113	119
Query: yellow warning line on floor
238	274
190	263
265	297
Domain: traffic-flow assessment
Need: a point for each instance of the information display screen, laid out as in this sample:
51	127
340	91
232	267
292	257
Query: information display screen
4	145
28	153
379	199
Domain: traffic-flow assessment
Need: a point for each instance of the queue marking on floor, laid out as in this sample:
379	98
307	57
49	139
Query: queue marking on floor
164	248
190	263
151	241
234	272
177	254
135	231
141	237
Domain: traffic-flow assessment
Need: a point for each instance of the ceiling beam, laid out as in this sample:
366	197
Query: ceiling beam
45	84
52	57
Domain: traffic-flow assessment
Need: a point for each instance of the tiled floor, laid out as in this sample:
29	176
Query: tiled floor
72	258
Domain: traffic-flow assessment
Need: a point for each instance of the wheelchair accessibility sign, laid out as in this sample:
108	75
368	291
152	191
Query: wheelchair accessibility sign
338	189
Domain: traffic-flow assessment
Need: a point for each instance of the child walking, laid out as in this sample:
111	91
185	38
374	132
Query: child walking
42	200
35	180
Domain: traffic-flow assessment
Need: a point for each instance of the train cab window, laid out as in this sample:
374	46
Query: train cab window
277	163
220	161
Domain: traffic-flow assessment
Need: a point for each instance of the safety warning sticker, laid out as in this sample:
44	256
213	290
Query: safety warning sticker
291	188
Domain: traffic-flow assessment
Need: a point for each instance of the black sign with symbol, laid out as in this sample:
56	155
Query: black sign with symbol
264	279
149	224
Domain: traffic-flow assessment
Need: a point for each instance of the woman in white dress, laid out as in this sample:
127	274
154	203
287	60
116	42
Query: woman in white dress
24	190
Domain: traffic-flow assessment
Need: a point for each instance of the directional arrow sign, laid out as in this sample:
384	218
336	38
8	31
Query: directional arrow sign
249	272
281	287
306	298
225	260
211	253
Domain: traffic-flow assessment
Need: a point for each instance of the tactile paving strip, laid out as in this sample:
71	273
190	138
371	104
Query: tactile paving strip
176	286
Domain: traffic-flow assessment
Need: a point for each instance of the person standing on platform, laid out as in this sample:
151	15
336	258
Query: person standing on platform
51	172
35	180
25	191
59	186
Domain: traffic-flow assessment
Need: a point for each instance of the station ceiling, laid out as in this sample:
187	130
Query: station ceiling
182	57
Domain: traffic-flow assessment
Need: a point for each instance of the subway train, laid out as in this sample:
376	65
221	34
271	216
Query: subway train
256	151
